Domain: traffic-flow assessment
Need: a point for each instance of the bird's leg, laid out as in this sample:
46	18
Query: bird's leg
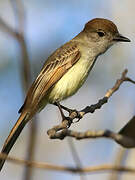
68	110
65	108
60	108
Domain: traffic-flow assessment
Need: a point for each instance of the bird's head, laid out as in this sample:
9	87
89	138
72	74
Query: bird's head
103	33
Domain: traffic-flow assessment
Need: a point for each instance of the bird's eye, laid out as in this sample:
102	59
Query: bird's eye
101	33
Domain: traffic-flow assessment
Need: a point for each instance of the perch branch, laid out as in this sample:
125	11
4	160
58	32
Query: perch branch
62	130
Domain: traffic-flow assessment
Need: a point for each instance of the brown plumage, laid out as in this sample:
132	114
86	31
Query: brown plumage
54	68
99	24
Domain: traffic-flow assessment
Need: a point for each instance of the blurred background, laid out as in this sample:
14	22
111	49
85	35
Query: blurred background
49	24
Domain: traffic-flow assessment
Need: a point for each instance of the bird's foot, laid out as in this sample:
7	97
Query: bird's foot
72	112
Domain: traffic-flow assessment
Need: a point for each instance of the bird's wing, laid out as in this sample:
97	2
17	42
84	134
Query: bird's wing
54	68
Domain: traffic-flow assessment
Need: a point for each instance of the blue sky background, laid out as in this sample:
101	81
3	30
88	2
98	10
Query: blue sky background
51	23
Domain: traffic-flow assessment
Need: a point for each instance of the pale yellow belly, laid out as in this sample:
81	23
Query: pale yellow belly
71	81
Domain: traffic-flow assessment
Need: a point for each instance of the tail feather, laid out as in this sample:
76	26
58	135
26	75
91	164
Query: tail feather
15	132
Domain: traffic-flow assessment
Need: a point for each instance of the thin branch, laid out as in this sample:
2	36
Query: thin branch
31	147
75	156
47	166
20	15
6	28
121	139
120	156
25	66
62	130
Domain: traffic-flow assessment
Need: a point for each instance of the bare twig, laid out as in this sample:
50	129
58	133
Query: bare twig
21	41
121	139
120	156
6	28
61	131
75	156
47	166
20	15
31	147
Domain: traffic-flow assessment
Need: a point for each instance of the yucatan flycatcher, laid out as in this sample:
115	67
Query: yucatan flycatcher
65	71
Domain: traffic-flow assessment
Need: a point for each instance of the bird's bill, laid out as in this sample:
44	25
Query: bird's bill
121	38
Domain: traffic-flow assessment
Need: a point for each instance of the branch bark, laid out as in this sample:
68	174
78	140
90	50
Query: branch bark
52	167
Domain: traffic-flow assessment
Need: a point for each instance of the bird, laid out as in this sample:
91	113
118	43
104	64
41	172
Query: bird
64	72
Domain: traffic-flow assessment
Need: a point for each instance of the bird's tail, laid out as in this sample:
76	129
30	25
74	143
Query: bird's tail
15	132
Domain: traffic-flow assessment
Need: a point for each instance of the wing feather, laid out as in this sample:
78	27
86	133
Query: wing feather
54	68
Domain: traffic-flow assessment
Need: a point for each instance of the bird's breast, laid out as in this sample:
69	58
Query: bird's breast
72	80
